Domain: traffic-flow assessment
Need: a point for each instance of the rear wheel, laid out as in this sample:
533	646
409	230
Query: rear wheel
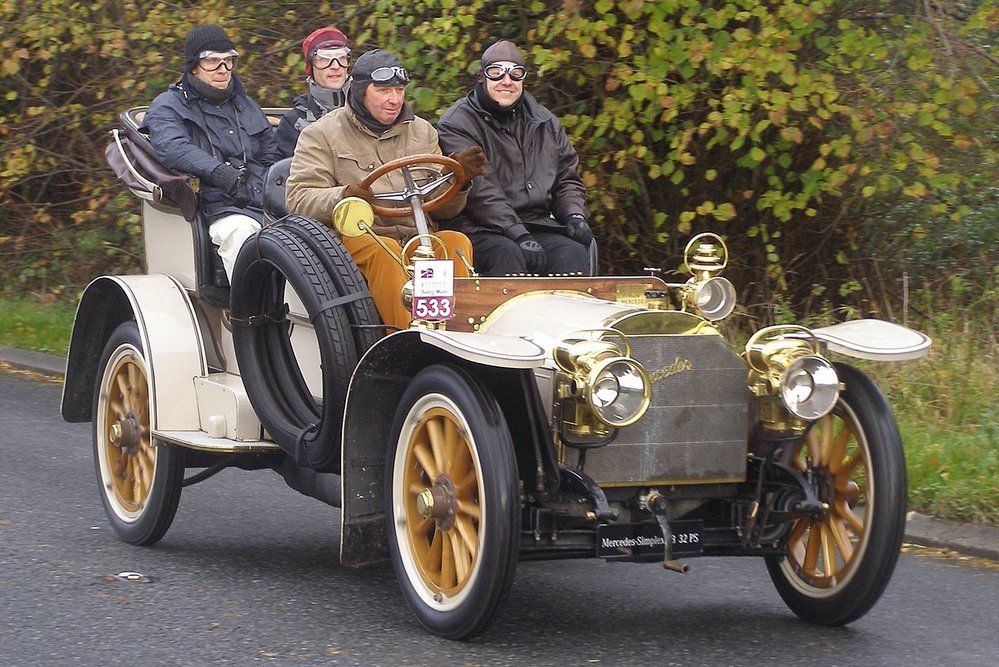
836	568
140	480
452	494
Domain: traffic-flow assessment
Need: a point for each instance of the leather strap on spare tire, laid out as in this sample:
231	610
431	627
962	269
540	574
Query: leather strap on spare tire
366	325
306	429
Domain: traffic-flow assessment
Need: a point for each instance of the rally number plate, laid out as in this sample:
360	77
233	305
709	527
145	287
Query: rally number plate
644	541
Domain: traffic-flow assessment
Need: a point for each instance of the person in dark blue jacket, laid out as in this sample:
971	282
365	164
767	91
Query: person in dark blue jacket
206	126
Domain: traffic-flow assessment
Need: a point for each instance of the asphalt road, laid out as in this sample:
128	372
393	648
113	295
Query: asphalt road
249	574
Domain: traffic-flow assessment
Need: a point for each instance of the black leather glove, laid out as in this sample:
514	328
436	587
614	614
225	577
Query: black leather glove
359	191
242	196
226	178
534	254
472	160
577	229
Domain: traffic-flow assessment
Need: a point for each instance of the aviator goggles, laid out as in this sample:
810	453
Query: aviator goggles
325	58
212	60
387	74
497	72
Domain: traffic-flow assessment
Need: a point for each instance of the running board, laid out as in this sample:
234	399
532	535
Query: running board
204	442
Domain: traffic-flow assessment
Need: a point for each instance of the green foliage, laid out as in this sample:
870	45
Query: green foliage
808	132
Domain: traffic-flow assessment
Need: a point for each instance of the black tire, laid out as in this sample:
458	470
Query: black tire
447	419
139	480
307	428
366	326
837	568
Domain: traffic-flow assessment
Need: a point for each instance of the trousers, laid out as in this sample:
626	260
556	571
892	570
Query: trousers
229	233
386	277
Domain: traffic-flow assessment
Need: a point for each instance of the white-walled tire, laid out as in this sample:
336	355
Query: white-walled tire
452	502
139	480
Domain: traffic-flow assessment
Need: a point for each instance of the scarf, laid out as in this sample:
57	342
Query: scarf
208	92
487	103
327	98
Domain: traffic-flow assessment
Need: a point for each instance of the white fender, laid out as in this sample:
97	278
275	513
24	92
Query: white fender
175	351
874	339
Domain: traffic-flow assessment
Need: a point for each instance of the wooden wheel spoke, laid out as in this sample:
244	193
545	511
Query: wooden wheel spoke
422	529
469	535
849	516
837	452
447	568
841	537
462	558
812	550
813	444
433	556
438	445
848	489
120	462
829	563
849	466
825	445
426	460
470	509
122	382
147	455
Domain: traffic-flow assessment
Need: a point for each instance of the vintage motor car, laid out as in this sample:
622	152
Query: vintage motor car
516	418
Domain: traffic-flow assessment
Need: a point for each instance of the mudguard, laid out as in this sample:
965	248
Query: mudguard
375	389
171	340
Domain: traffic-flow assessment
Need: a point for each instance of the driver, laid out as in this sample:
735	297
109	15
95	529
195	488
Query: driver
335	154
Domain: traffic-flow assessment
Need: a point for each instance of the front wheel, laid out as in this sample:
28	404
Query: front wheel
139	480
452	502
837	567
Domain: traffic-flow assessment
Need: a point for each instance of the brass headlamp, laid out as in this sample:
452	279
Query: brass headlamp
706	293
603	378
785	362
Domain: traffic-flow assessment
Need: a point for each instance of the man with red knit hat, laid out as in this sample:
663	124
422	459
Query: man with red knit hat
327	57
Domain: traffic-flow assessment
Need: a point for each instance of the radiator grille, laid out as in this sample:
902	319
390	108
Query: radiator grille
696	426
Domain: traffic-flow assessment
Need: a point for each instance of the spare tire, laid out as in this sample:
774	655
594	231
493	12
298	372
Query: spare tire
366	325
306	428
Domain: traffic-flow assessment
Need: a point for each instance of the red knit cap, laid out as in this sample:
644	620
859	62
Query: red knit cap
323	38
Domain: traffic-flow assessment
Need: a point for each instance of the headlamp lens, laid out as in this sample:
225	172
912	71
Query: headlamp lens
619	392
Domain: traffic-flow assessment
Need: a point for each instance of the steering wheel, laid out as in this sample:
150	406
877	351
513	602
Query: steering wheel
457	177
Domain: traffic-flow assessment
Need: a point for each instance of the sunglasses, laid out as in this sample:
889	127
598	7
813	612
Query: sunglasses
386	74
325	58
497	72
211	61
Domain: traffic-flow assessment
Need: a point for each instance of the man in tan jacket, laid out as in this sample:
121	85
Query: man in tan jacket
337	152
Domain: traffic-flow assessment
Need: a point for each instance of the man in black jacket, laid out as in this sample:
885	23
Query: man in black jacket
528	213
327	57
206	126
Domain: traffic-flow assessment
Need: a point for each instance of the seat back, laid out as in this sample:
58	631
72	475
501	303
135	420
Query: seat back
275	182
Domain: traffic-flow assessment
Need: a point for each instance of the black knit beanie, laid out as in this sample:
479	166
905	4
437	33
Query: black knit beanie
205	38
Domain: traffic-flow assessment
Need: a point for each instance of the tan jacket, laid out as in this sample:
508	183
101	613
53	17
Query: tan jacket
337	150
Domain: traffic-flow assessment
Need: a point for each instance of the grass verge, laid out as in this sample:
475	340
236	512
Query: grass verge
40	324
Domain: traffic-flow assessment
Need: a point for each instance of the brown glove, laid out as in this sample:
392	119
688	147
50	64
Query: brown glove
473	162
359	191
